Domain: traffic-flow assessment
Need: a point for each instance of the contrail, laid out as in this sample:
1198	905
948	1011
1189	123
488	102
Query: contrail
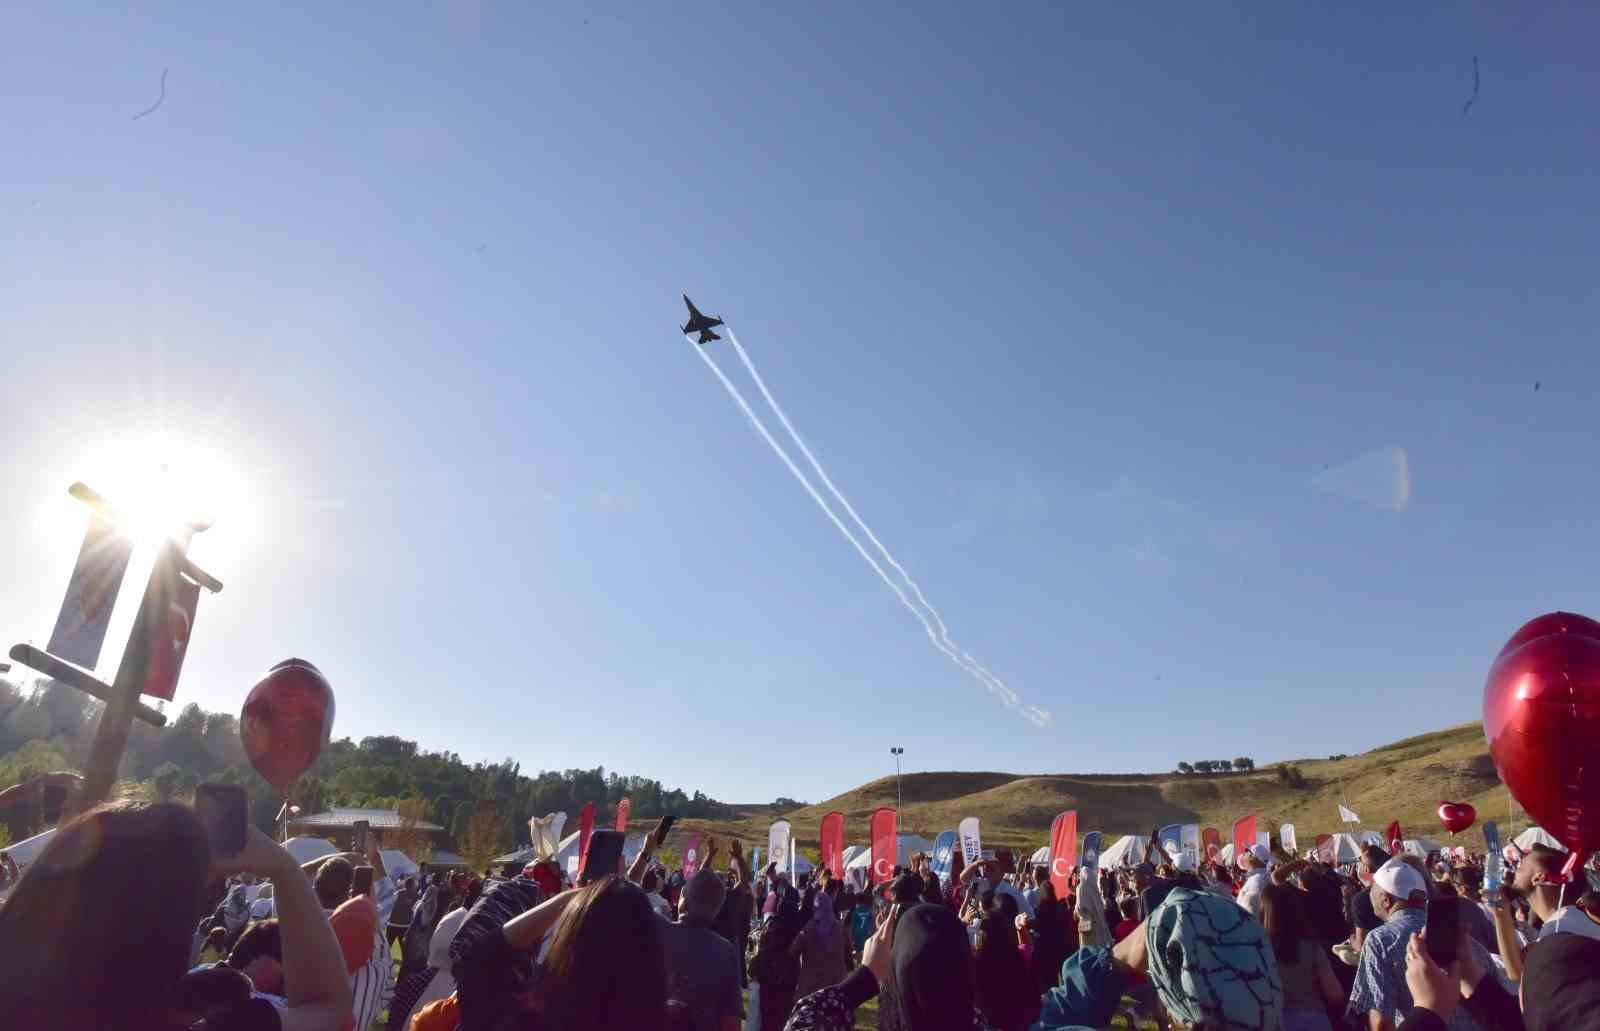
974	667
1005	694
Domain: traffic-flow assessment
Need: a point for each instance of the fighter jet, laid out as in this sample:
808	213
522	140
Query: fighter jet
699	323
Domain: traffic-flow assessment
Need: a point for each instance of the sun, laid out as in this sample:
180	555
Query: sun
161	485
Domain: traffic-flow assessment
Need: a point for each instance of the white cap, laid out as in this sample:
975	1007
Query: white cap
1400	879
1258	852
1183	862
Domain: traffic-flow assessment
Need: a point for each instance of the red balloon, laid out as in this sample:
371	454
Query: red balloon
1456	816
287	718
1541	715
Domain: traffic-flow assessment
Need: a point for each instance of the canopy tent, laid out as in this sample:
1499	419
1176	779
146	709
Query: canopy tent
906	846
1537	836
1346	848
28	849
442	860
1041	857
1127	850
305	848
397	864
850	853
523	856
1372	838
1419	847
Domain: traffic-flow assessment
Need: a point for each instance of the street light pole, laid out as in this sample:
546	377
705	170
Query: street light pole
897	753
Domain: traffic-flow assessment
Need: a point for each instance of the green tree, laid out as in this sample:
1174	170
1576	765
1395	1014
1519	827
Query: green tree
164	781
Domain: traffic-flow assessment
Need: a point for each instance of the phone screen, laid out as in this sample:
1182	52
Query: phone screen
224	811
362	828
605	855
361	883
1444	915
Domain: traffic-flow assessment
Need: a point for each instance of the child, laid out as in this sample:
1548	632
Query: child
215	949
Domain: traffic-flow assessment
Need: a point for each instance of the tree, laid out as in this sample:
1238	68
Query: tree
1186	768
164	781
1205	765
409	837
1244	763
1291	776
482	841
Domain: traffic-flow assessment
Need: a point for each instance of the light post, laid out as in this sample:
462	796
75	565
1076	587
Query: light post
897	753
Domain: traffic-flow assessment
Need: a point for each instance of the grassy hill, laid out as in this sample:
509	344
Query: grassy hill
1405	780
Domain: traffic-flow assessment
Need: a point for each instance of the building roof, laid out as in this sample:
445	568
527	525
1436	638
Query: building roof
378	819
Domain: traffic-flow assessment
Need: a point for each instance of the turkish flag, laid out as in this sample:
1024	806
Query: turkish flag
1393	835
161	629
881	829
1211	842
831	844
585	828
1063	851
1244	836
622	813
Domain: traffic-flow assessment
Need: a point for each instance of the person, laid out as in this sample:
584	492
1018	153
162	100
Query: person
405	901
1381	998
108	909
428	909
1055	936
820	947
1254	862
702	965
652	889
919	966
1007	995
738	906
774	966
434	981
358	922
605	968
215	950
1554	903
1310	990
1362	916
1090	908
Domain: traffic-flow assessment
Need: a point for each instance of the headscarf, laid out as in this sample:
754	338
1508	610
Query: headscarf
824	925
1211	963
930	986
787	917
1559	987
1091	907
1005	990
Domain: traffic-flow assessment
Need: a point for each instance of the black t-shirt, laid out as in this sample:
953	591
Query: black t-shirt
1362	914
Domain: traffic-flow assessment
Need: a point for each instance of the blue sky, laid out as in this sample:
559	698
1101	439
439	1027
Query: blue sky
1111	322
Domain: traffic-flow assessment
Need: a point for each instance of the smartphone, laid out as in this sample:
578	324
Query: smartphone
224	809
666	824
362	829
361	883
605	856
1444	915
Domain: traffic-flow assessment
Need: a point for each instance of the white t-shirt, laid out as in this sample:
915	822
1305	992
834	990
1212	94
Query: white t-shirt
1570	920
1250	895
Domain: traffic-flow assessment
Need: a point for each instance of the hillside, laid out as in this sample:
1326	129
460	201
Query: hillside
1404	780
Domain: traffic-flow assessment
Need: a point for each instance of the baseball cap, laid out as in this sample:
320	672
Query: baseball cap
1183	862
1400	879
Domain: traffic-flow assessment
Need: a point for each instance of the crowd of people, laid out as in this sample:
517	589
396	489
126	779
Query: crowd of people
128	921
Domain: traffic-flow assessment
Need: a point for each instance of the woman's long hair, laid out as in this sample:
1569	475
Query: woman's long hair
1284	918
605	968
97	934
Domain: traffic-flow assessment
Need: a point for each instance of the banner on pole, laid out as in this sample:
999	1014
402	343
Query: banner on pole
1063	850
971	842
91	594
944	848
160	636
778	845
623	807
881	829
545	833
1091	851
691	856
1189	839
1244	835
1287	839
1348	816
1210	843
1170	839
1394	836
831	844
585	829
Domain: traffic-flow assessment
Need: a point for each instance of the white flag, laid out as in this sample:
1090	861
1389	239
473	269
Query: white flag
971	844
1287	839
545	833
91	594
778	845
1347	816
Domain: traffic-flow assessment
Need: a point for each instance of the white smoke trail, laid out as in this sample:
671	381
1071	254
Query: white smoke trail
1037	716
973	666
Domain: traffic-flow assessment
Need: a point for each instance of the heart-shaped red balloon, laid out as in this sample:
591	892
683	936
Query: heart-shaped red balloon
1541	715
287	718
1456	816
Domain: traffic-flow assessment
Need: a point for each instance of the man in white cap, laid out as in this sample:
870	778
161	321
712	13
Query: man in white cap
1254	861
1380	999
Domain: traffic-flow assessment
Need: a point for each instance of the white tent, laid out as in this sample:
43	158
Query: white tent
397	863
1372	838
1346	848
906	845
1537	836
851	852
1126	851
1419	847
1041	857
305	848
27	850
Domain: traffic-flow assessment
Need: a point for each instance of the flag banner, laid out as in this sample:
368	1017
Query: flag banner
1286	837
1264	839
944	848
971	843
622	813
1189	838
1064	850
544	832
831	844
91	594
793	854
1091	851
1211	842
691	856
160	636
1348	816
778	845
1170	838
1325	850
585	829
1394	836
1244	835
881	829
755	859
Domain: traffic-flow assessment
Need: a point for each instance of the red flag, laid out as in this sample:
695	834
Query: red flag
881	829
622	813
832	844
585	828
1394	836
691	856
1325	850
1211	842
1244	835
1063	850
160	636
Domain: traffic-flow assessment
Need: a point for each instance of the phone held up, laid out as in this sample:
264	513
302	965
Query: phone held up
1444	915
363	830
604	857
224	811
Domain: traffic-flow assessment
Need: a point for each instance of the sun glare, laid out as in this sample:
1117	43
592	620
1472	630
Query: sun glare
160	485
